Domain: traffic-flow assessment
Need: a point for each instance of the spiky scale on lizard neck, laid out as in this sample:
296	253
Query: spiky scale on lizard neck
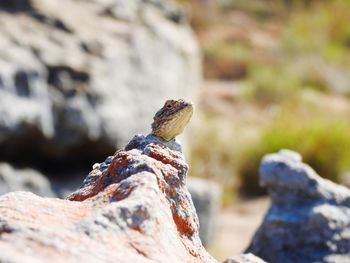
171	119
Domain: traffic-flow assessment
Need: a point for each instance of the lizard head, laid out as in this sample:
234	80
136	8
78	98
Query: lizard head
172	118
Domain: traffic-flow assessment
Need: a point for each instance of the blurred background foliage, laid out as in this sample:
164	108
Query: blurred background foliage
277	75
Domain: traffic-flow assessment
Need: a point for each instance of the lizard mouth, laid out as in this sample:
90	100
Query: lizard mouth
187	103
185	112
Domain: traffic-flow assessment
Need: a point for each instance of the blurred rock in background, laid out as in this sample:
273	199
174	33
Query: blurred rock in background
12	179
309	218
77	82
206	196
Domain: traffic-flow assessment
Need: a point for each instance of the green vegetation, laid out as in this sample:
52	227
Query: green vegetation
271	84
310	45
227	61
324	144
212	157
324	31
280	52
222	153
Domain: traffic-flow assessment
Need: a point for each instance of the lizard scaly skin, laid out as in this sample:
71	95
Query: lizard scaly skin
171	119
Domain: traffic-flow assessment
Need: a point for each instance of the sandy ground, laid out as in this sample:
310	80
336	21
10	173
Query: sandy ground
236	226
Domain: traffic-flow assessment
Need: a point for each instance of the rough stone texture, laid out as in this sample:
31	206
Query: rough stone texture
309	218
89	74
133	207
206	199
12	179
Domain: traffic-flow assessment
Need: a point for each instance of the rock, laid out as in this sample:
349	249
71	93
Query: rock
206	200
88	75
244	258
133	207
12	179
309	217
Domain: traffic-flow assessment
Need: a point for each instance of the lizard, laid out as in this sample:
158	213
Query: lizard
171	119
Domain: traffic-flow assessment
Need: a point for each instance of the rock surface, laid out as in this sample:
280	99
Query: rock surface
244	258
309	218
89	74
133	207
12	179
206	199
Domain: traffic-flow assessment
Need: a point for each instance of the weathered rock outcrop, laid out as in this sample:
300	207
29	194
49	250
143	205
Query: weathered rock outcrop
133	207
309	218
81	74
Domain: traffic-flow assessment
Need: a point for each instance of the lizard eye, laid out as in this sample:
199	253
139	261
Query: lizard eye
168	106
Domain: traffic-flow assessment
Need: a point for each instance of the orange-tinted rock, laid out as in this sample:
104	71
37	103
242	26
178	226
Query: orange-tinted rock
134	207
